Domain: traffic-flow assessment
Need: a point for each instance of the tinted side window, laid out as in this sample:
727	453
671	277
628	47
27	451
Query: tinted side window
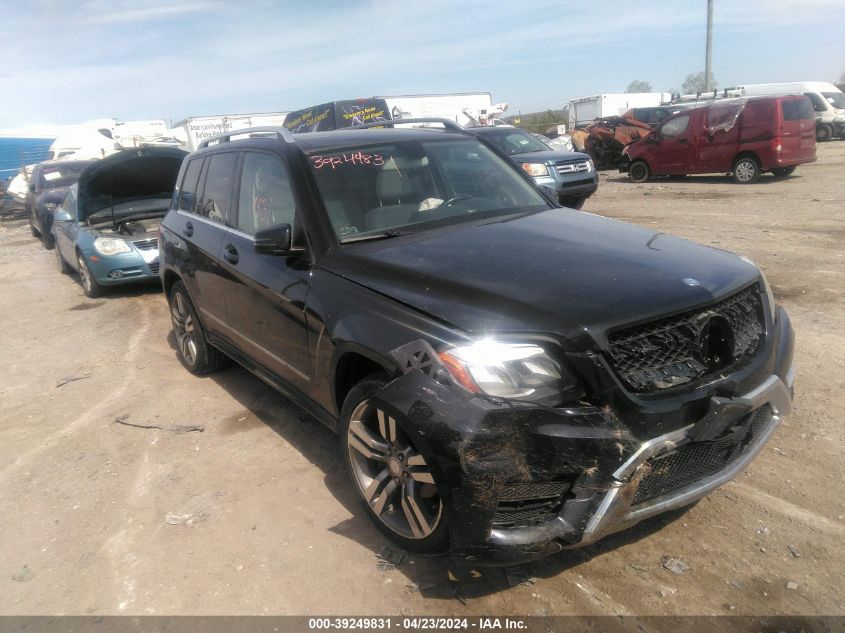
217	194
790	110
188	192
265	196
675	127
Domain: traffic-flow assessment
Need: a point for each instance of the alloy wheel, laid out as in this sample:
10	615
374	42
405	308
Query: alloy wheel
391	474
745	171
183	328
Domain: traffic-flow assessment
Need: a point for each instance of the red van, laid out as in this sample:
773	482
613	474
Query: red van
745	137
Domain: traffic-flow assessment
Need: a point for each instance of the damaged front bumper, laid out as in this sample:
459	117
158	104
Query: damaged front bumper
521	481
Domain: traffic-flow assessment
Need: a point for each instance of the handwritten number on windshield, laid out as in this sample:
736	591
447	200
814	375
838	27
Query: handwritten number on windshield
355	158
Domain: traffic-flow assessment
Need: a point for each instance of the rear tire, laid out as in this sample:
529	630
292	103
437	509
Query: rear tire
47	241
192	348
781	172
824	132
639	171
389	474
35	232
746	170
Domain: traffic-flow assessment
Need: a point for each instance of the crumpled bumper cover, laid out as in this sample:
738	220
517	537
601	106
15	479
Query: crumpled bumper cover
480	448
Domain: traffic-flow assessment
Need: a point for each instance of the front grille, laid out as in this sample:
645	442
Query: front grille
572	167
527	504
147	245
691	462
154	268
669	351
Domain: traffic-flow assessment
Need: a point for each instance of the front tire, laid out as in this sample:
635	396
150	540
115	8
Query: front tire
824	133
574	203
746	171
193	350
47	241
391	478
639	171
90	286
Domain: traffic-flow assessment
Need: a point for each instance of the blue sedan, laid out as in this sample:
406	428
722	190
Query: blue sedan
107	225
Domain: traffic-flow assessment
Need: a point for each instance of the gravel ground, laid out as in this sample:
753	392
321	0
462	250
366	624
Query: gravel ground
253	514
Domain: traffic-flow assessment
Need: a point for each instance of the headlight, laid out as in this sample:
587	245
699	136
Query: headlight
770	297
507	370
111	246
535	169
50	206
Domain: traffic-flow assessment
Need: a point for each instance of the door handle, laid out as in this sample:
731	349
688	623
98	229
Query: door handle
231	254
189	229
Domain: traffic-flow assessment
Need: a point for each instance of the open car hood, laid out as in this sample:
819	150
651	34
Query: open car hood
133	174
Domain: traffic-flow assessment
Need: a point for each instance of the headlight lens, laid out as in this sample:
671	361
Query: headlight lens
50	206
535	169
507	370
111	246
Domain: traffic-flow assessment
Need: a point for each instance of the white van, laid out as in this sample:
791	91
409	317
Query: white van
828	102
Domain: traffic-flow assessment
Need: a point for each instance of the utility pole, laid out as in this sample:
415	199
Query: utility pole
708	61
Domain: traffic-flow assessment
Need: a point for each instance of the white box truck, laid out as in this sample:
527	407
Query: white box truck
583	110
828	102
196	129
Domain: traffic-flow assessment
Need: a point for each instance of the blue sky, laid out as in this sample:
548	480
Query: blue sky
63	62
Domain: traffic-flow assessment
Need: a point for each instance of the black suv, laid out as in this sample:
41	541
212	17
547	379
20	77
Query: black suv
507	378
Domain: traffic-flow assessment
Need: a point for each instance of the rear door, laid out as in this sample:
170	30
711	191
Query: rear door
807	129
205	199
265	294
719	136
790	128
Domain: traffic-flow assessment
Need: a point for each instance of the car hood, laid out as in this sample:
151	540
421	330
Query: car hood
548	156
133	174
558	271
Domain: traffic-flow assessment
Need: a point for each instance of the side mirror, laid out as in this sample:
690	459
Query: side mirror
654	138
62	215
274	240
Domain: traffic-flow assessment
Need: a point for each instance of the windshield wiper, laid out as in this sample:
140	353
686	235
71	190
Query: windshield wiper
383	235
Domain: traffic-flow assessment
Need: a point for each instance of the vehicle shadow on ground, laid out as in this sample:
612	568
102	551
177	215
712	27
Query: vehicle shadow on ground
437	577
713	179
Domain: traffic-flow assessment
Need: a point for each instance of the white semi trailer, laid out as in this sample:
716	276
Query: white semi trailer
586	109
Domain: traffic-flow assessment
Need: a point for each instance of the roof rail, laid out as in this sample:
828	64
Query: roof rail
446	123
283	133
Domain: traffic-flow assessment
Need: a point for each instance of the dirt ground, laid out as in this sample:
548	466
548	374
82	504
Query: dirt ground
253	514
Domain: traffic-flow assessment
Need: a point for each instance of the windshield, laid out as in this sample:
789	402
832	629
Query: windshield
53	176
836	99
377	189
515	141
